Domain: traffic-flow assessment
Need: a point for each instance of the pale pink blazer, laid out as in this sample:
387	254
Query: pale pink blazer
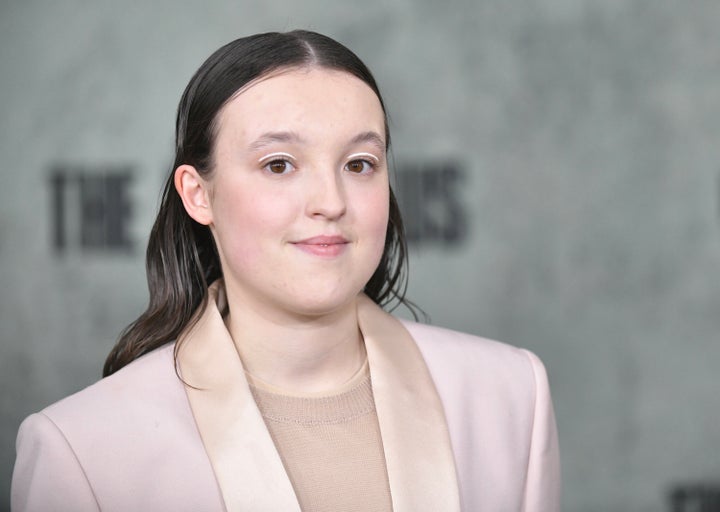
466	423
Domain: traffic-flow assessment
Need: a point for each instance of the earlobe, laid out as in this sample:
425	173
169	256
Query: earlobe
193	191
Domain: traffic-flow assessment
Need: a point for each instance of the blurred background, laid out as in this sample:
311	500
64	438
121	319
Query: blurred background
557	162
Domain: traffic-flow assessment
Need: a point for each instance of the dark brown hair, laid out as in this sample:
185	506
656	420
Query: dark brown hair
181	256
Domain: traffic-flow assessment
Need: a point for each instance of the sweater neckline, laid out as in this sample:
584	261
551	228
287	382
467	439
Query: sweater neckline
351	400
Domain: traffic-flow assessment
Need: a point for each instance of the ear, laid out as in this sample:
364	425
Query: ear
194	193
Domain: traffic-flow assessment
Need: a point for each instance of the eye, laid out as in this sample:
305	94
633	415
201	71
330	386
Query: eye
279	166
360	166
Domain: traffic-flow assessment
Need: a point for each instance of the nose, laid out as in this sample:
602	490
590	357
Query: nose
326	196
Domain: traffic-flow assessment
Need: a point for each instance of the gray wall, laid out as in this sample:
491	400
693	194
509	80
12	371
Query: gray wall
583	137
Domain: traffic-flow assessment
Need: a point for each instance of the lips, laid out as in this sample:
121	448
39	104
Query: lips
323	245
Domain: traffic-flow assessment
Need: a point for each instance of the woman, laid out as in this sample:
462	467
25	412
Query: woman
264	375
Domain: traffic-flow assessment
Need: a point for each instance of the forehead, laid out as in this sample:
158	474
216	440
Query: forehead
310	101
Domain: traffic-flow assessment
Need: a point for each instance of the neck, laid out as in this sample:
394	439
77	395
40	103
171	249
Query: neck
298	353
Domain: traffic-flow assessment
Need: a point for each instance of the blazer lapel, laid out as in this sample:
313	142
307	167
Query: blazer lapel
247	466
418	453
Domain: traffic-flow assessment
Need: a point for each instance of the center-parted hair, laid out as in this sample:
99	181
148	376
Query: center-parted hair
182	259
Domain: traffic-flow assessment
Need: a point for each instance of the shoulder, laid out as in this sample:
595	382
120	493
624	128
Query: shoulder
500	418
146	383
446	349
141	397
471	371
134	421
455	340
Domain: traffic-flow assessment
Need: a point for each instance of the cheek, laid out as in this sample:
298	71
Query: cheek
242	221
375	215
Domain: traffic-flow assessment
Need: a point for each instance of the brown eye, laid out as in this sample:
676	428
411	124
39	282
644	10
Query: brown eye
279	166
358	166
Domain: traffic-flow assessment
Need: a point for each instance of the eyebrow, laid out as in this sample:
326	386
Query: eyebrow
269	138
373	138
273	137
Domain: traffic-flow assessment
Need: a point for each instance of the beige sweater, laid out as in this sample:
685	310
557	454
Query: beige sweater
330	445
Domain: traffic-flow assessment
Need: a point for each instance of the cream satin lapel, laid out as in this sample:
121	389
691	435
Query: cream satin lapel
418	453
247	466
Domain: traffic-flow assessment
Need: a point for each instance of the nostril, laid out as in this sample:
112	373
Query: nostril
327	199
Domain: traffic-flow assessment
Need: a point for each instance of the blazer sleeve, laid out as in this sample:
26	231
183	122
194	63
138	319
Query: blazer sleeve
47	474
542	487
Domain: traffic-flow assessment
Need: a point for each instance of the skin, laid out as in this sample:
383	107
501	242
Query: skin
297	202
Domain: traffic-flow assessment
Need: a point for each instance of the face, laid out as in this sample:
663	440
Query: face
298	197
